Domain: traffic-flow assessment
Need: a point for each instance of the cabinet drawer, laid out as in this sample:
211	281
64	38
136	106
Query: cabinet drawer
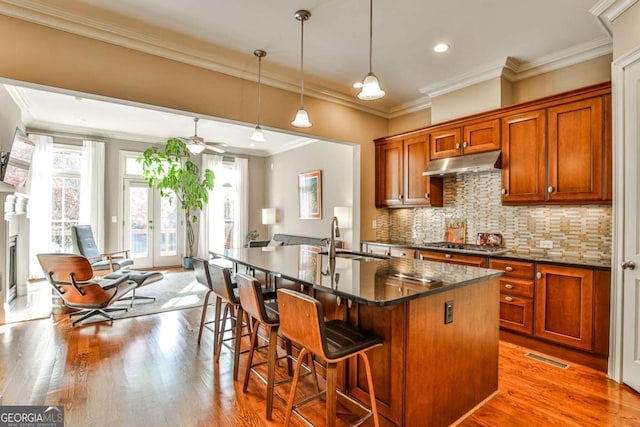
516	314
516	287
476	261
377	250
520	269
403	253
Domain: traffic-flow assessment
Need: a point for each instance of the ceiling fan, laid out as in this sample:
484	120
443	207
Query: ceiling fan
196	144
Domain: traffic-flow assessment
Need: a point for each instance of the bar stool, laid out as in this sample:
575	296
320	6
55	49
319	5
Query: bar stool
218	280
302	321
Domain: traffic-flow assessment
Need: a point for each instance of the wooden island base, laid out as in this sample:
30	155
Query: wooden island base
429	373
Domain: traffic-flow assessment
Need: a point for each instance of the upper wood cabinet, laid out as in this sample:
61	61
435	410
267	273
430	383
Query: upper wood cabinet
399	180
468	139
560	154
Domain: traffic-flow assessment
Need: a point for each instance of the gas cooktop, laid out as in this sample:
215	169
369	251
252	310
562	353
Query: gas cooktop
466	247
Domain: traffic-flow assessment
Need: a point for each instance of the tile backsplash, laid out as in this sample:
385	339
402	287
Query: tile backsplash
577	231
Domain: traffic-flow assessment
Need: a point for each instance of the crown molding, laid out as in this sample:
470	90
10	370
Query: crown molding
418	104
608	10
470	78
52	17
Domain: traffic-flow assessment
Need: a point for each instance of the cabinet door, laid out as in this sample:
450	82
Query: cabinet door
446	143
608	151
516	313
576	147
564	305
481	137
416	159
389	174
523	158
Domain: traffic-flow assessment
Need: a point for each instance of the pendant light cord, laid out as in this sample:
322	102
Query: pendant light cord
370	35
259	85
301	61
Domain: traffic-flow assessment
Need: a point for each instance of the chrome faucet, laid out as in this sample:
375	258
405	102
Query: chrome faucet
335	232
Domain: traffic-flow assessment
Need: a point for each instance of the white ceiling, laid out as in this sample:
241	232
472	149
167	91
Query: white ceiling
515	38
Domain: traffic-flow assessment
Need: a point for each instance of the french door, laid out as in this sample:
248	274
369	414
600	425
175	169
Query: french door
152	226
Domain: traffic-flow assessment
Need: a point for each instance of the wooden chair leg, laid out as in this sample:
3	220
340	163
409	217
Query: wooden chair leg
271	367
331	394
221	331
236	342
294	386
372	395
312	366
216	325
204	316
252	349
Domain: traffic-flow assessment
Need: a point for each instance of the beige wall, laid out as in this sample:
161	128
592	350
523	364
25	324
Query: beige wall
411	121
82	64
626	31
282	170
473	99
587	73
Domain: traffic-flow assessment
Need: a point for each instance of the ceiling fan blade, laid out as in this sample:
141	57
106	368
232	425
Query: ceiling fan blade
215	148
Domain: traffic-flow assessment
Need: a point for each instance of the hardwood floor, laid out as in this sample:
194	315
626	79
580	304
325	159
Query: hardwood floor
149	371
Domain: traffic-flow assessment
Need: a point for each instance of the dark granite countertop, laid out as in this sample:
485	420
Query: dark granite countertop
521	254
370	280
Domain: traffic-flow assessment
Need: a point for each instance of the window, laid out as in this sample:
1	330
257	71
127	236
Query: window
229	183
65	195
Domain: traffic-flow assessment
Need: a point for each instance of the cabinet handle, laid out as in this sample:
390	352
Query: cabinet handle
447	255
508	268
399	196
538	275
401	254
426	195
628	265
508	286
508	299
503	191
464	144
457	146
550	189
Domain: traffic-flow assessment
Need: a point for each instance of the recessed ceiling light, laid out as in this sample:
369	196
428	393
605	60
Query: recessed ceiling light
441	47
357	85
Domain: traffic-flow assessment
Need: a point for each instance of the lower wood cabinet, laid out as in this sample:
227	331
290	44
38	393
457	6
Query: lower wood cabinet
461	259
516	294
565	305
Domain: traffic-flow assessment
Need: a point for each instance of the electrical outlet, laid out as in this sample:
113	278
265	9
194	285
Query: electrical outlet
448	312
546	244
114	219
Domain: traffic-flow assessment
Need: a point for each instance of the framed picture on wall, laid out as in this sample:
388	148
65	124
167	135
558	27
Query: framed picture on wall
310	195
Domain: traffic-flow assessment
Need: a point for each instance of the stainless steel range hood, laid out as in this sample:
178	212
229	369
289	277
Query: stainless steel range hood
468	163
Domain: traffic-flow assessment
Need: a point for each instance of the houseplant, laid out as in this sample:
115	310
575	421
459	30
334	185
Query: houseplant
172	172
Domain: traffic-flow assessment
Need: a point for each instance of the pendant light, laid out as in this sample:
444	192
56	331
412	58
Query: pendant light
302	118
370	85
258	135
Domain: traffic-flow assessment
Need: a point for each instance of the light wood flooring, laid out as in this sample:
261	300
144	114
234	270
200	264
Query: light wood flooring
149	371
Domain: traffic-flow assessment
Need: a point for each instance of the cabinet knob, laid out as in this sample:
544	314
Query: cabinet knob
550	189
628	265
508	299
508	268
447	255
538	275
426	195
508	286
457	146
399	196
503	191
464	144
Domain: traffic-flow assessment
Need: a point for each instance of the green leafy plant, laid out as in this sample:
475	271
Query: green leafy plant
172	172
252	235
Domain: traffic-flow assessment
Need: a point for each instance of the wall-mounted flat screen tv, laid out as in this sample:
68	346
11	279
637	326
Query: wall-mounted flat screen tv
15	168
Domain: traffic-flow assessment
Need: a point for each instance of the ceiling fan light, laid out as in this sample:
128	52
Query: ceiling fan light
371	88
302	119
195	148
258	135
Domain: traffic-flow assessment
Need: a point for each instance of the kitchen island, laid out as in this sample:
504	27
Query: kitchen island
439	323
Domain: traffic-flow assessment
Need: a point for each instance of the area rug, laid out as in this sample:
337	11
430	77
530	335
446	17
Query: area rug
176	291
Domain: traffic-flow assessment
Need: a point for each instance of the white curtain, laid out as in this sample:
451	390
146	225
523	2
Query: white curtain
40	202
241	222
211	230
92	189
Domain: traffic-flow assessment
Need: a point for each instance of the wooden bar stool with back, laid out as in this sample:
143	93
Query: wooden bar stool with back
302	321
